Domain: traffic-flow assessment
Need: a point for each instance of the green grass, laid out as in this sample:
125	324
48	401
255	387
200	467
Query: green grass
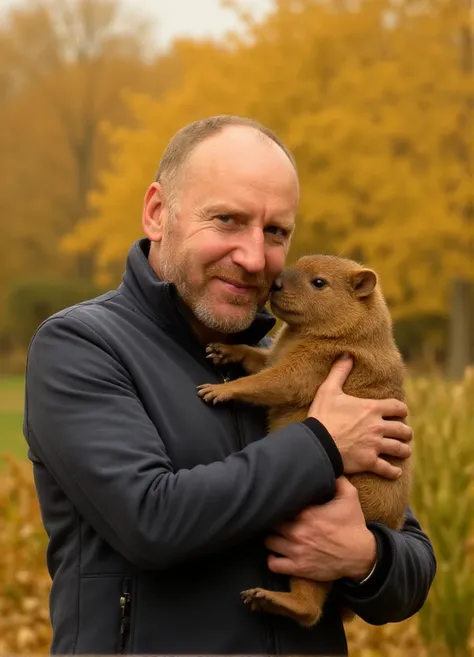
11	416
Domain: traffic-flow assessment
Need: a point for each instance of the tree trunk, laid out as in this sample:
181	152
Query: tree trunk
461	333
461	337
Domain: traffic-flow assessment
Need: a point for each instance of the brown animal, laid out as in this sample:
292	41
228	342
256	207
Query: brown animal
329	305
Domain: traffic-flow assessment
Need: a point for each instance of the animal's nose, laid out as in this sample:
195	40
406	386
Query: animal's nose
277	285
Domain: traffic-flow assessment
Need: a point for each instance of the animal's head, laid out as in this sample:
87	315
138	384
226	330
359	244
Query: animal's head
327	293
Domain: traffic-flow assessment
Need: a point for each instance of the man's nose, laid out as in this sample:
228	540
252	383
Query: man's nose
250	252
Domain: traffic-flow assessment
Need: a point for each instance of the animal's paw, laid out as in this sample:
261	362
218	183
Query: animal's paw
282	604
262	600
221	354
213	392
254	598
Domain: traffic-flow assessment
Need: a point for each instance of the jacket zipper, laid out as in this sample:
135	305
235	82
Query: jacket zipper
270	638
271	642
125	600
225	378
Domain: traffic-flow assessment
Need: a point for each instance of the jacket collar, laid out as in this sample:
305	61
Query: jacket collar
160	301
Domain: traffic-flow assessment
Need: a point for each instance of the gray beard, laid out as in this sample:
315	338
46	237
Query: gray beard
221	324
173	273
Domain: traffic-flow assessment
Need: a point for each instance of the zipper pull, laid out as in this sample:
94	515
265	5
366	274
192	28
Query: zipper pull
124	618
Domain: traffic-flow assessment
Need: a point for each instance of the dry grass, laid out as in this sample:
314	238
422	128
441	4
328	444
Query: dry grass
24	620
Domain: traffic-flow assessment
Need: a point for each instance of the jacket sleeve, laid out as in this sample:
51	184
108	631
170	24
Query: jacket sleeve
85	421
405	570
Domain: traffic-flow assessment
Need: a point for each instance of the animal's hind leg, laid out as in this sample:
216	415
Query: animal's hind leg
304	603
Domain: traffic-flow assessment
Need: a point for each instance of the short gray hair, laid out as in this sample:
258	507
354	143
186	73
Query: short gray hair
185	141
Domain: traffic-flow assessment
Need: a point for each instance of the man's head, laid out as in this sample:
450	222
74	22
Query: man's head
220	216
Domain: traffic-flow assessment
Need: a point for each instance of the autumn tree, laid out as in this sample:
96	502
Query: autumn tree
65	66
371	98
461	334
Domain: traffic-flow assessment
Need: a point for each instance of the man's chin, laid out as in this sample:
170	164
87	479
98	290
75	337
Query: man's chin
232	319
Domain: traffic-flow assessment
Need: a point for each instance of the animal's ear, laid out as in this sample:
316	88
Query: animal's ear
363	282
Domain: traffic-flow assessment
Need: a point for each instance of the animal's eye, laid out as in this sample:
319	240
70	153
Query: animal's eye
319	283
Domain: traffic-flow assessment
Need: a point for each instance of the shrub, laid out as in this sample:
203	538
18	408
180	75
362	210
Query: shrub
28	303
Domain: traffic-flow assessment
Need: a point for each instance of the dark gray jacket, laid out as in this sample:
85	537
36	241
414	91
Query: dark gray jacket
156	504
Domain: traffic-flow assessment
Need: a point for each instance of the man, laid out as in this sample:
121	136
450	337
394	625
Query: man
161	509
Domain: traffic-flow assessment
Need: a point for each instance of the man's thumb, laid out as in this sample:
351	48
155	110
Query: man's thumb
339	373
343	486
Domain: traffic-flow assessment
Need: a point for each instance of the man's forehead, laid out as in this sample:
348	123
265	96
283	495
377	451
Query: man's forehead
239	150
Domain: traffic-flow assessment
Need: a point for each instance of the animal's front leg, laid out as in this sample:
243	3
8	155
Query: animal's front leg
252	359
267	388
217	392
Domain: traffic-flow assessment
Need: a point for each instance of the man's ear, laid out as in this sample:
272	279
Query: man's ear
363	282
152	216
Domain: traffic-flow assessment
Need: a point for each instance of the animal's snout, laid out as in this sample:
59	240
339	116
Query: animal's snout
277	285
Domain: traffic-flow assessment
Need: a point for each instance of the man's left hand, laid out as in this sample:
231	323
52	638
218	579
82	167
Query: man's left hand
326	542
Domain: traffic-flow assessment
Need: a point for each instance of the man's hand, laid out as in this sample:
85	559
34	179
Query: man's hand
325	542
358	428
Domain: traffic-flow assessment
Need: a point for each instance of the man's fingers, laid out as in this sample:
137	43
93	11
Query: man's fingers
398	430
392	408
395	448
387	470
279	545
338	374
281	565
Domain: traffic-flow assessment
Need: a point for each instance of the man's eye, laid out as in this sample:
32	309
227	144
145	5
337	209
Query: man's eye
277	230
225	218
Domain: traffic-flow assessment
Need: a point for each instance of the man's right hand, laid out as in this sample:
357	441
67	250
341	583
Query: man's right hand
358	428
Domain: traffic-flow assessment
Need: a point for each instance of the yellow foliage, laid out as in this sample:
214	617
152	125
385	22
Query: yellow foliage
373	101
64	67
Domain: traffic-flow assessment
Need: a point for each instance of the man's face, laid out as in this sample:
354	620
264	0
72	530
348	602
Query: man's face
229	234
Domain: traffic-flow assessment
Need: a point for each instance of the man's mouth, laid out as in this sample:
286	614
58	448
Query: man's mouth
237	287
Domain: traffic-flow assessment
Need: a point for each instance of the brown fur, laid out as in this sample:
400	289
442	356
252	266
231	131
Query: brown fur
348	315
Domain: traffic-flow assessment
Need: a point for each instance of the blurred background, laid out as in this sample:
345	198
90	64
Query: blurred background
376	100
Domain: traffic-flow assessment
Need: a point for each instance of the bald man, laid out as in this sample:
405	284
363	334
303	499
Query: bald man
157	505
